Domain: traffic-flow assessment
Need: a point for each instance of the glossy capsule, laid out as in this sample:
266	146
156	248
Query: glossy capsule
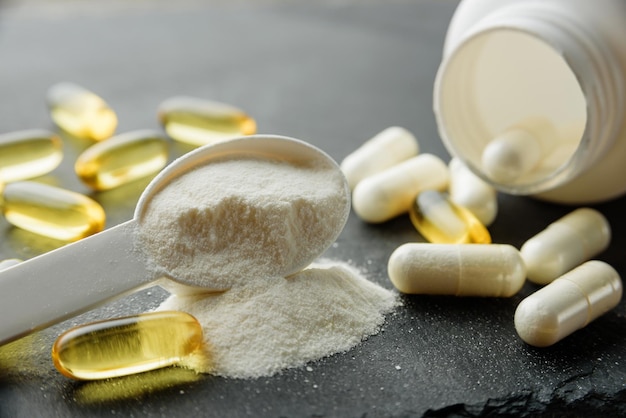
566	243
510	156
122	159
9	262
568	303
495	270
440	221
28	154
51	211
391	192
517	153
199	122
471	192
386	149
128	345
81	112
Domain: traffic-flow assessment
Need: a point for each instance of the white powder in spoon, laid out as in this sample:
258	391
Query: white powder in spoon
225	222
245	224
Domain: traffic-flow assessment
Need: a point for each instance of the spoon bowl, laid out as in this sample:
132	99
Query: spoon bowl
83	275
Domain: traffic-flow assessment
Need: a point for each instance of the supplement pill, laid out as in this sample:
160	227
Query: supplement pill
128	345
199	122
28	154
510	156
441	221
51	211
122	159
564	244
80	112
391	192
386	149
495	270
471	192
9	262
568	303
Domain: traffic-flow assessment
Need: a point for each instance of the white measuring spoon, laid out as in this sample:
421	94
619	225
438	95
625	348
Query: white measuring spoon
81	276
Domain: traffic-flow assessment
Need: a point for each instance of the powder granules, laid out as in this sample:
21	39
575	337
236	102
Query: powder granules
228	221
249	225
270	325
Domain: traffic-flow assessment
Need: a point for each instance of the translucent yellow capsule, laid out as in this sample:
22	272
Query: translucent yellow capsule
441	221
128	345
28	154
9	262
51	211
122	159
200	122
81	112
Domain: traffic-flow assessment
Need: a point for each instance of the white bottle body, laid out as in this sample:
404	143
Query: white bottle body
508	63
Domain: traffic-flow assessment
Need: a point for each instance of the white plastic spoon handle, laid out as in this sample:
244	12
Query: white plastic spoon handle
68	281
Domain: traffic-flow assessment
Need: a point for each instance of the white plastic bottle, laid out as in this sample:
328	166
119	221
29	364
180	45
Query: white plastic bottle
531	96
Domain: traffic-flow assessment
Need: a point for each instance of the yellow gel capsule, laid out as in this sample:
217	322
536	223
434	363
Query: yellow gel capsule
51	211
81	112
442	222
128	345
200	122
122	159
9	262
28	154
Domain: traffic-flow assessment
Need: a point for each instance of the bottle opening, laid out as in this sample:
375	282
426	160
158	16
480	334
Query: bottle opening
512	109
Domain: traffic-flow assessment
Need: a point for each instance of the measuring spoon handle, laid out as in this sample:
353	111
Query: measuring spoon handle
70	280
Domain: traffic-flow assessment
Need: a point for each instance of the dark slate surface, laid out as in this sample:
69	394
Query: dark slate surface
333	74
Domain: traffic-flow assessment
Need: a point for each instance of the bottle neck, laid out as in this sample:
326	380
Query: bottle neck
527	60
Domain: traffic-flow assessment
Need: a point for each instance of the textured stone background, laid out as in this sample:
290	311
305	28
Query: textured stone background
333	74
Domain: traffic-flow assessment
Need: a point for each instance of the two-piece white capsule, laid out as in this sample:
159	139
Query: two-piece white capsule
568	303
495	270
575	294
516	154
391	192
466	189
386	149
565	244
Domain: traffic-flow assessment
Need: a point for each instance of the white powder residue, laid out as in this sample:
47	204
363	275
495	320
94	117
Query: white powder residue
270	325
225	222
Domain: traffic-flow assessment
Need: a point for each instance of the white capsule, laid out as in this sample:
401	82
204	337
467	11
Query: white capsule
495	270
564	244
9	262
390	193
386	149
473	193
568	303
511	155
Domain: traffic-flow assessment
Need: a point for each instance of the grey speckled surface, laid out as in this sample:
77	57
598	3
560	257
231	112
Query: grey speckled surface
333	74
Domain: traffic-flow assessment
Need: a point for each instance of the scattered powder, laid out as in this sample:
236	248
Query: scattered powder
251	225
225	222
270	325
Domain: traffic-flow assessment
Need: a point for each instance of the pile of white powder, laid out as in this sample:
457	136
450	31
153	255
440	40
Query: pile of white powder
271	325
251	225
